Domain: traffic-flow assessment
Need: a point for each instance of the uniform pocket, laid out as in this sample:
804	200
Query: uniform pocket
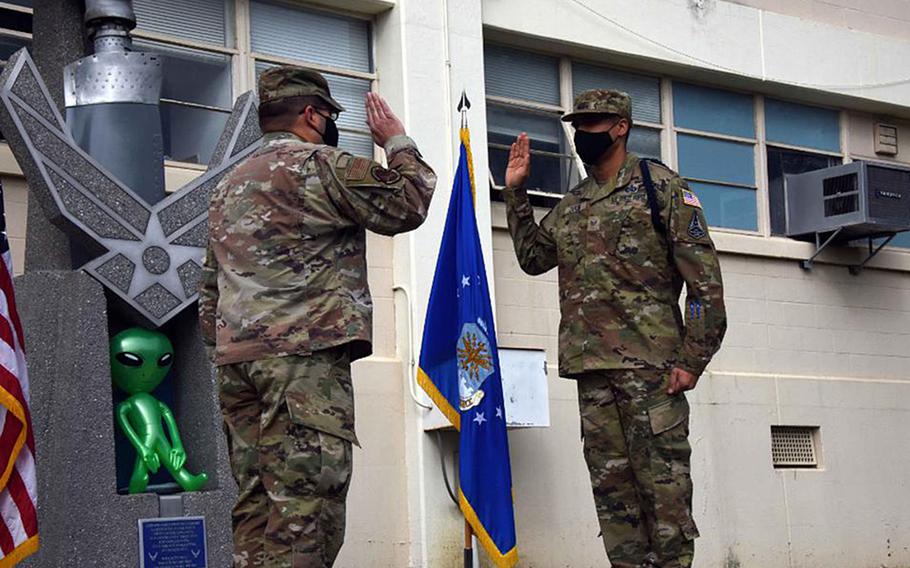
668	414
335	476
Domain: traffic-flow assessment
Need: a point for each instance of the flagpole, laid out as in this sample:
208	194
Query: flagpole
468	545
463	105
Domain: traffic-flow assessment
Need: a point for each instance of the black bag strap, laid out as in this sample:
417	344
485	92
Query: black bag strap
652	199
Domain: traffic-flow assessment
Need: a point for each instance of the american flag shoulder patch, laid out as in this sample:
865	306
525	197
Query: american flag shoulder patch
691	199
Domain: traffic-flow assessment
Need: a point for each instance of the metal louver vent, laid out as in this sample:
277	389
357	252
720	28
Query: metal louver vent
794	446
841	195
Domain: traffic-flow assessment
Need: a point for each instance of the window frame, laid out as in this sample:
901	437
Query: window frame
11	33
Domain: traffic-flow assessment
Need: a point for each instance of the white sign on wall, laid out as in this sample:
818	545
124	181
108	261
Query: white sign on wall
524	388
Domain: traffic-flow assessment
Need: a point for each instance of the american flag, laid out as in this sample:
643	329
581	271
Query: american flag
18	485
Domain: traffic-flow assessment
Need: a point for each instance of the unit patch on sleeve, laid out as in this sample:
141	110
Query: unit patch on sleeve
697	230
388	177
689	198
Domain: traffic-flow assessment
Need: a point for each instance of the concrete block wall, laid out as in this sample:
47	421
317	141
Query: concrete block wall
820	348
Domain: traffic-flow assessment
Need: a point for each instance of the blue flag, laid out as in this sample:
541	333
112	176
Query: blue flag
459	369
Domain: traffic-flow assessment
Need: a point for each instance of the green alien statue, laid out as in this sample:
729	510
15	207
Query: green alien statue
140	359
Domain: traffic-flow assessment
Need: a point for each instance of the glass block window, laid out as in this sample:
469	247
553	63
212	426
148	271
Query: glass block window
195	41
713	110
800	125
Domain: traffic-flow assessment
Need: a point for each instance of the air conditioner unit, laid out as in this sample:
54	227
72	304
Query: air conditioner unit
855	201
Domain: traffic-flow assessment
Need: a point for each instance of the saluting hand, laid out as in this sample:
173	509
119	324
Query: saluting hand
382	121
519	168
681	380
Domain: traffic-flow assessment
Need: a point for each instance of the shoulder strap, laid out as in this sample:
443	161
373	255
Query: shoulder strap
652	198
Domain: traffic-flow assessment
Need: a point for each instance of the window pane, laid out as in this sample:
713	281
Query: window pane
190	134
350	92
716	160
519	74
357	144
645	91
782	162
315	37
548	174
200	20
552	174
729	207
901	240
800	125
713	110
10	45
192	75
645	142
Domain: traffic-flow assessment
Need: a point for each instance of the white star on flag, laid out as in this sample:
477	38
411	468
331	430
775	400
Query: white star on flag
479	419
465	280
498	412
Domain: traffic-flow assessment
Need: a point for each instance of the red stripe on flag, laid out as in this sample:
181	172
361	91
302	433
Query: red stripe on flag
6	540
23	500
6	284
11	430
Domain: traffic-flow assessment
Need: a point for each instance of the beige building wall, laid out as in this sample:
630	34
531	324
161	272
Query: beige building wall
820	348
887	17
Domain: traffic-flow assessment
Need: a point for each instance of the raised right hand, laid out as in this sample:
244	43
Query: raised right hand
519	168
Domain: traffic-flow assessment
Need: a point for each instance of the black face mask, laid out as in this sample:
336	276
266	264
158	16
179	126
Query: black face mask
591	146
330	132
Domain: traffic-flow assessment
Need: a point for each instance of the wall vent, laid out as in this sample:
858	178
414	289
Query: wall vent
886	139
794	447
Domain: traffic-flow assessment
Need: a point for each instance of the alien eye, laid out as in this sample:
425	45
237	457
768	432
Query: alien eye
165	360
130	359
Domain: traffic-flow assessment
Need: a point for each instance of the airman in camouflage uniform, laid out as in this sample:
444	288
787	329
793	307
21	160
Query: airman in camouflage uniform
285	308
622	333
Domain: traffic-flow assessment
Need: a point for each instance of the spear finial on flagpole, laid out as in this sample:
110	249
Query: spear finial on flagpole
463	105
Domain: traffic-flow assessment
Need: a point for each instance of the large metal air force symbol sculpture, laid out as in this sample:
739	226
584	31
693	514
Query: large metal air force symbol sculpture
98	175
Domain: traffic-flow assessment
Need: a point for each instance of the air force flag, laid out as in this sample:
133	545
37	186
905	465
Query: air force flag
459	369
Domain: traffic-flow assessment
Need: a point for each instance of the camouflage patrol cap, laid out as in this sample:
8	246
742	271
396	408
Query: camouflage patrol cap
278	83
601	101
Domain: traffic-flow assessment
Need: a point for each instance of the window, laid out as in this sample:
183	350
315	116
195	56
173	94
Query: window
15	29
800	139
196	41
523	95
715	138
780	163
281	34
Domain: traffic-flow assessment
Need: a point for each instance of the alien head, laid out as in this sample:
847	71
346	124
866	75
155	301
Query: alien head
140	359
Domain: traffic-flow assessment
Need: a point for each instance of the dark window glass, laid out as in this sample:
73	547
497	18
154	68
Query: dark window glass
552	169
781	162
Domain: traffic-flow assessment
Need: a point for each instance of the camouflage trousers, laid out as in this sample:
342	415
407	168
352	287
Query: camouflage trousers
637	450
292	478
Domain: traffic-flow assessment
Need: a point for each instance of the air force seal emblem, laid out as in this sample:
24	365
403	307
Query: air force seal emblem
475	364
